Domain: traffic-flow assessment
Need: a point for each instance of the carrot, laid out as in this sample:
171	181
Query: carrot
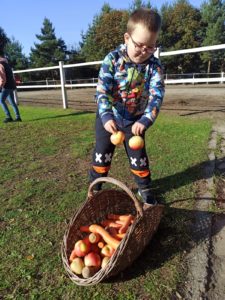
119	236
105	235
72	255
84	228
126	224
110	224
94	238
122	222
119	217
101	244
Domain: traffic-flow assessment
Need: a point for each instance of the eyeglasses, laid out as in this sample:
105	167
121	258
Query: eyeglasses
143	48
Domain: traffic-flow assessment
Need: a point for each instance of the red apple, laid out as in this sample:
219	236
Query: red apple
105	261
72	255
95	248
107	250
81	248
77	265
92	259
117	138
136	142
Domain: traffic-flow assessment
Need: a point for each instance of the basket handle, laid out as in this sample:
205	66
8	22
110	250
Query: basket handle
137	203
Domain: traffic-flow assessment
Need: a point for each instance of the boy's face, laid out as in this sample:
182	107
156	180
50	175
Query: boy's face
141	43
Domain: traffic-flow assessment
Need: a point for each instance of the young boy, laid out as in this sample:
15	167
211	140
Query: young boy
7	86
130	92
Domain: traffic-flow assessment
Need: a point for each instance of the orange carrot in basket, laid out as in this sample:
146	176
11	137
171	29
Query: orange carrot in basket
126	224
119	217
122	222
105	235
110	223
84	228
101	244
119	236
94	238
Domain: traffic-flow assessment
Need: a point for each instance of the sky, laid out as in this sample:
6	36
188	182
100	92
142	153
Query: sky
23	19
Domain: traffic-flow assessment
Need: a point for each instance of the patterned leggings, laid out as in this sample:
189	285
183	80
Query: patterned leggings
103	153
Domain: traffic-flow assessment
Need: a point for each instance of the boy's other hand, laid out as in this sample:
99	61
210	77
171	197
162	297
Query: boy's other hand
110	126
137	128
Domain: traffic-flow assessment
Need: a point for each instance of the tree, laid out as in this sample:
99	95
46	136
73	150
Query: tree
3	39
50	50
105	34
138	4
180	30
213	15
16	58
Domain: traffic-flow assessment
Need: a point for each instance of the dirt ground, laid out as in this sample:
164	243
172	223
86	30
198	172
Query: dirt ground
185	100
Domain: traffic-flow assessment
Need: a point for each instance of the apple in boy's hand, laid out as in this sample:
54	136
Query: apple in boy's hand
81	248
117	138
92	259
107	250
136	142
77	265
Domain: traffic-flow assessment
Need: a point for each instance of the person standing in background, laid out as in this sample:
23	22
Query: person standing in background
7	86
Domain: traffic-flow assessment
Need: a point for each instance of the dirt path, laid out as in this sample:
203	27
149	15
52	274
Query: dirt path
206	262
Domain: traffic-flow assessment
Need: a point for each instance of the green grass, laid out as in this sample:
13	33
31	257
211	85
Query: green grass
44	163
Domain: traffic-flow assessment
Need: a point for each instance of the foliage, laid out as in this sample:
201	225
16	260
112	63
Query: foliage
3	39
180	24
213	15
138	4
105	33
50	50
14	53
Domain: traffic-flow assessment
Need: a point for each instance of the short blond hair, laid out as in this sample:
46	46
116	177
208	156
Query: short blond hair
149	18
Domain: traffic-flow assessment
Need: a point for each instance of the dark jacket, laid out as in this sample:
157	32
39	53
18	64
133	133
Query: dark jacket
7	80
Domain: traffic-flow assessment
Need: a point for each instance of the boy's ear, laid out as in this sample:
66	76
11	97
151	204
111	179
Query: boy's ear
126	37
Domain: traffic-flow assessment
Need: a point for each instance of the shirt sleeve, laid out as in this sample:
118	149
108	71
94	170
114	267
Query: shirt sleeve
156	94
105	89
2	76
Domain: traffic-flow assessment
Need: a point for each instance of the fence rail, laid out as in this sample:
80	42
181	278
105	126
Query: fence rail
64	83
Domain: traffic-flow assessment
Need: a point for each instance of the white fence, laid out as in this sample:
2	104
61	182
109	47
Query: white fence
63	83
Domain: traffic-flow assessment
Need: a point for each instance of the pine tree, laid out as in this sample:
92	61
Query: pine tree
14	53
3	39
50	50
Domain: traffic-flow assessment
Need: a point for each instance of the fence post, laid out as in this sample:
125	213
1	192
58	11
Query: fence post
193	82
15	91
222	76
16	98
63	82
157	52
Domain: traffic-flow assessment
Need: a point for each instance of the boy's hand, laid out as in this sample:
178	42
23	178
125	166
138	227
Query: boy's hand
110	126
137	128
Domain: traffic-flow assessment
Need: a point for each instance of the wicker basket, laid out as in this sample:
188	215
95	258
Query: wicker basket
94	210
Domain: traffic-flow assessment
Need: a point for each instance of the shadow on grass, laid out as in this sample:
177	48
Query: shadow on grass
180	229
172	238
204	170
79	113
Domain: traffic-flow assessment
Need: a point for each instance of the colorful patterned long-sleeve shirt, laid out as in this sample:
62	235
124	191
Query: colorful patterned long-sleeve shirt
128	92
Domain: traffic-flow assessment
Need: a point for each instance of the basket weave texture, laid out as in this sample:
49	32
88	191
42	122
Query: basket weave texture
94	210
